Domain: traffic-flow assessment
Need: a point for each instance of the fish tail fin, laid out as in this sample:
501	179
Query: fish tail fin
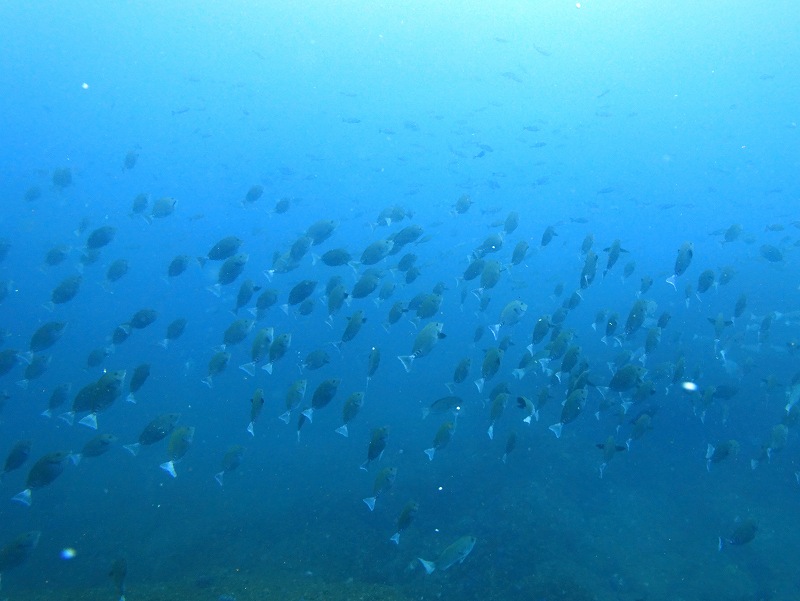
249	368
428	565
169	467
407	361
133	449
430	452
370	502
219	477
90	421
342	430
23	497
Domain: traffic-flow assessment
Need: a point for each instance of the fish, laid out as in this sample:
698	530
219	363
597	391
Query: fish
246	291
424	342
256	405
321	230
95	447
720	452
743	534
336	257
66	290
350	409
277	350
571	409
316	359
705	280
46	336
138	378
354	323
231	269
116	271
155	431
46	469
97	396
224	248
143	318
139	204
254	193
771	253
294	396
520	252
376	252
180	441
267	299
373	362
499	402
56	255
231	460
609	448
377	444
57	398
259	349
17	456
461	371
16	552
626	377
101	237
548	235
455	553
177	266
441	439
174	331
237	331
322	396
383	482
682	262
490	366
407	515
118	573
462	204
540	329
216	365
163	207
511	315
301	291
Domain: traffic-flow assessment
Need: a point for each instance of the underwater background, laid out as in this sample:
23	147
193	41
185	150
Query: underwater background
484	170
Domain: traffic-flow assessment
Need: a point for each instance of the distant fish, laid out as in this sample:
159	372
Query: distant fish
744	533
455	553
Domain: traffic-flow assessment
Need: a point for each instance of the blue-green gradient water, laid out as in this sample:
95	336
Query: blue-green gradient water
654	124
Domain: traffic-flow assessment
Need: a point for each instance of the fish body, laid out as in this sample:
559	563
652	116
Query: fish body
455	553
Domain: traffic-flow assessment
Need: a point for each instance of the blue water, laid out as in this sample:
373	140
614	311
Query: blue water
654	124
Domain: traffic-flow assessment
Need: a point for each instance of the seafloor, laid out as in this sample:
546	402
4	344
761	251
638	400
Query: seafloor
538	542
